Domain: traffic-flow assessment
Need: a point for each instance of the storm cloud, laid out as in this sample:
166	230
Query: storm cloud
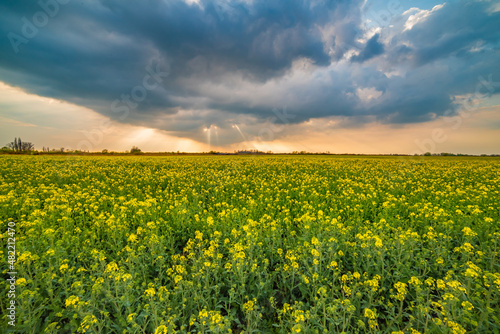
183	66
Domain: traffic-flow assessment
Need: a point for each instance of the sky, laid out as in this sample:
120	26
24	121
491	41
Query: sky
371	76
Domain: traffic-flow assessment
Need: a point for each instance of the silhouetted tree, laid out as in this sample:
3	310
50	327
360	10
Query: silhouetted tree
27	146
15	146
19	146
135	150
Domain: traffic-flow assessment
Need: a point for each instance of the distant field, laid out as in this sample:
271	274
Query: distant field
260	244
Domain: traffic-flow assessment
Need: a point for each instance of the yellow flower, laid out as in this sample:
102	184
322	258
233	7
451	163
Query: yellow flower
249	305
473	270
286	308
203	314
467	247
299	316
21	282
467	305
402	290
111	267
87	322
131	317
162	329
415	281
150	292
456	328
210	221
314	252
370	314
72	300
468	232
322	291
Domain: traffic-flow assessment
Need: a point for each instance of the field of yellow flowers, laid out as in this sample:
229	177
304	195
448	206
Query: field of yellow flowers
242	244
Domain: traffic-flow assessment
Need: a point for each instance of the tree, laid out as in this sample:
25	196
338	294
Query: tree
14	145
135	150
19	146
27	146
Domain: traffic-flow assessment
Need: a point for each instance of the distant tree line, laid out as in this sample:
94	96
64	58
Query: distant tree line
20	146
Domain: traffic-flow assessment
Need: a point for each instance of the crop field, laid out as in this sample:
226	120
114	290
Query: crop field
251	244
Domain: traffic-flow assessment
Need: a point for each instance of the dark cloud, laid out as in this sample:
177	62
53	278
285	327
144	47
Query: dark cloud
373	48
453	30
226	62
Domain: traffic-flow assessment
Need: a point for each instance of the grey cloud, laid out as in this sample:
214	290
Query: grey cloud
373	48
233	61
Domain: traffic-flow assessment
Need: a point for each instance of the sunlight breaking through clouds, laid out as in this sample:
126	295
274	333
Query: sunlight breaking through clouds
183	66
